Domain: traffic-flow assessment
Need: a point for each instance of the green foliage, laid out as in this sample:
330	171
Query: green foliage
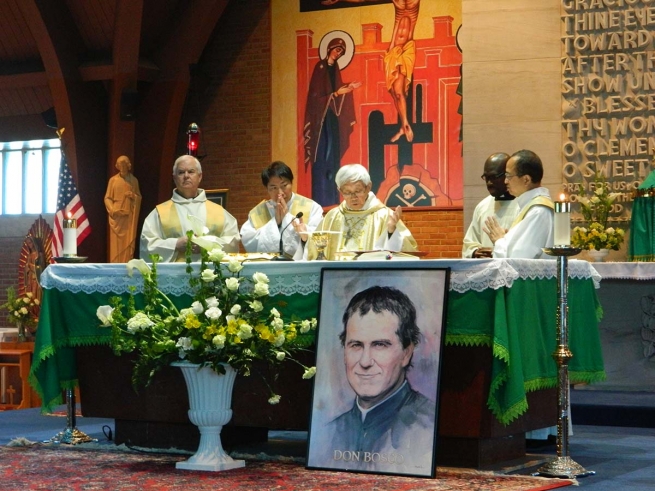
595	211
227	321
21	309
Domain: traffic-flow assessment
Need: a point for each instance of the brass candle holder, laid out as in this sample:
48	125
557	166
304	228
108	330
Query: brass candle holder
71	435
563	465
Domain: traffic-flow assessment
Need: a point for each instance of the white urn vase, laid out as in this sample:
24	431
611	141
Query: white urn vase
598	256
210	400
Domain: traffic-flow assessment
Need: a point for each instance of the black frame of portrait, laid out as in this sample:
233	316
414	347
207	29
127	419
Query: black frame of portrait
333	400
218	196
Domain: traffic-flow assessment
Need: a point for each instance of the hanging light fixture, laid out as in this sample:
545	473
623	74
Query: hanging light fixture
193	141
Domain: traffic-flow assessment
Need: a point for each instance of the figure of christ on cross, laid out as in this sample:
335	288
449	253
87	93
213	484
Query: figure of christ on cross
400	58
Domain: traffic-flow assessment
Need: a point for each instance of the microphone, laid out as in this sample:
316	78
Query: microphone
281	256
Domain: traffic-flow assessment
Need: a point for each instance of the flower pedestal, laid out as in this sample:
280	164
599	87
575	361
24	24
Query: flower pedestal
598	256
210	399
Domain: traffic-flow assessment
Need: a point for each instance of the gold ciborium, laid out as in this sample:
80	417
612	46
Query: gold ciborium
320	240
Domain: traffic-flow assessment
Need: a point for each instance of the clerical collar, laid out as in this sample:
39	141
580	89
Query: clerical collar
366	411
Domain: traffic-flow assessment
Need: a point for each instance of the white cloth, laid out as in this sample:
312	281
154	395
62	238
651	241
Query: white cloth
152	236
527	238
505	212
267	238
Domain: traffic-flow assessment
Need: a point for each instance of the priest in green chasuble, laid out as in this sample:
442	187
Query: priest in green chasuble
361	222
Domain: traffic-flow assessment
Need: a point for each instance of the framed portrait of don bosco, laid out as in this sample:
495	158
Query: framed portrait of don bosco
379	344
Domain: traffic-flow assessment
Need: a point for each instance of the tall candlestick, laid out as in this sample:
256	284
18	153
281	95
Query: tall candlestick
70	237
562	222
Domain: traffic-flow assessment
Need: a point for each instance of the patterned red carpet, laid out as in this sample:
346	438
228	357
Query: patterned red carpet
75	468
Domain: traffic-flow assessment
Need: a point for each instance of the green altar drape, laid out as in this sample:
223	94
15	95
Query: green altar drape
517	323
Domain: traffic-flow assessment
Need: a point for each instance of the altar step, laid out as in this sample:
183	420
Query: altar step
613	408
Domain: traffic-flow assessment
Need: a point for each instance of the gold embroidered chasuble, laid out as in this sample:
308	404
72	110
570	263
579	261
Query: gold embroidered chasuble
361	230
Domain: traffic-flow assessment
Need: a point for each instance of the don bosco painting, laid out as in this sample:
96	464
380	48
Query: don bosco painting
376	82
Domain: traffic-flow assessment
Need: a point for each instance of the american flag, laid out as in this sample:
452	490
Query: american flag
69	205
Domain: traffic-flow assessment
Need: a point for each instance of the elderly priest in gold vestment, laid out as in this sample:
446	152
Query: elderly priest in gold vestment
361	222
123	203
164	230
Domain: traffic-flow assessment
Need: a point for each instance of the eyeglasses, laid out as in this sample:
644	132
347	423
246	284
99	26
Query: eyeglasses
510	176
358	194
492	177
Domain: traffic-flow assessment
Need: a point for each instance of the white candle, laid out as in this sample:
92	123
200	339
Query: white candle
70	237
562	222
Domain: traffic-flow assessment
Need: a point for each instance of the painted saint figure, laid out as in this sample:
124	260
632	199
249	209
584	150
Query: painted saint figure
400	58
388	417
123	203
329	120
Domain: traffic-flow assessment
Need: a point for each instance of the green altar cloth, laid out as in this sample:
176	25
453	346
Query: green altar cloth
516	318
641	246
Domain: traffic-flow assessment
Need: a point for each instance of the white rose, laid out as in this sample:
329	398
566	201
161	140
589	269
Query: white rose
236	308
218	341
234	265
229	318
274	399
278	324
211	302
232	284
275	312
260	290
260	278
197	307
245	331
216	254
213	313
104	314
305	326
208	275
279	355
279	340
256	305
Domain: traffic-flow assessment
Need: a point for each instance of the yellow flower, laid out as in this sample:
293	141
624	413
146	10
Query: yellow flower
192	322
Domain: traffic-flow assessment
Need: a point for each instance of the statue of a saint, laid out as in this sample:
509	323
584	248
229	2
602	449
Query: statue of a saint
123	202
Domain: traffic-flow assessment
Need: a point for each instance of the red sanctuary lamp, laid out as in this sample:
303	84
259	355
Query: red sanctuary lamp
193	141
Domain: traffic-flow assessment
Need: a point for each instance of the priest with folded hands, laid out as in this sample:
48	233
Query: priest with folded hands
361	222
270	221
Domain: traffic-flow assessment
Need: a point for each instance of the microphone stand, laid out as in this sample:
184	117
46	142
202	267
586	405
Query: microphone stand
281	256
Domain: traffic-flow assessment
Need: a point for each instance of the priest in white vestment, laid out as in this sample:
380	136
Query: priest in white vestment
532	229
164	230
500	203
270	220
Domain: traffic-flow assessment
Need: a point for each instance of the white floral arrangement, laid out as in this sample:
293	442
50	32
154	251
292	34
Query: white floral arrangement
227	322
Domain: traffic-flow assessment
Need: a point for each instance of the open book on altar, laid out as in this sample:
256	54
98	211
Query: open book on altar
382	255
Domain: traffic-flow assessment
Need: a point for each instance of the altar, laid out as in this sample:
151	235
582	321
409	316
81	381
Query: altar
497	380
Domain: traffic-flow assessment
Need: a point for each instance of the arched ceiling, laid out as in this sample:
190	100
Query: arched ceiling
96	34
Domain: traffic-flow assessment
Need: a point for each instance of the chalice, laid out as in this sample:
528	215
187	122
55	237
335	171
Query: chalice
321	240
